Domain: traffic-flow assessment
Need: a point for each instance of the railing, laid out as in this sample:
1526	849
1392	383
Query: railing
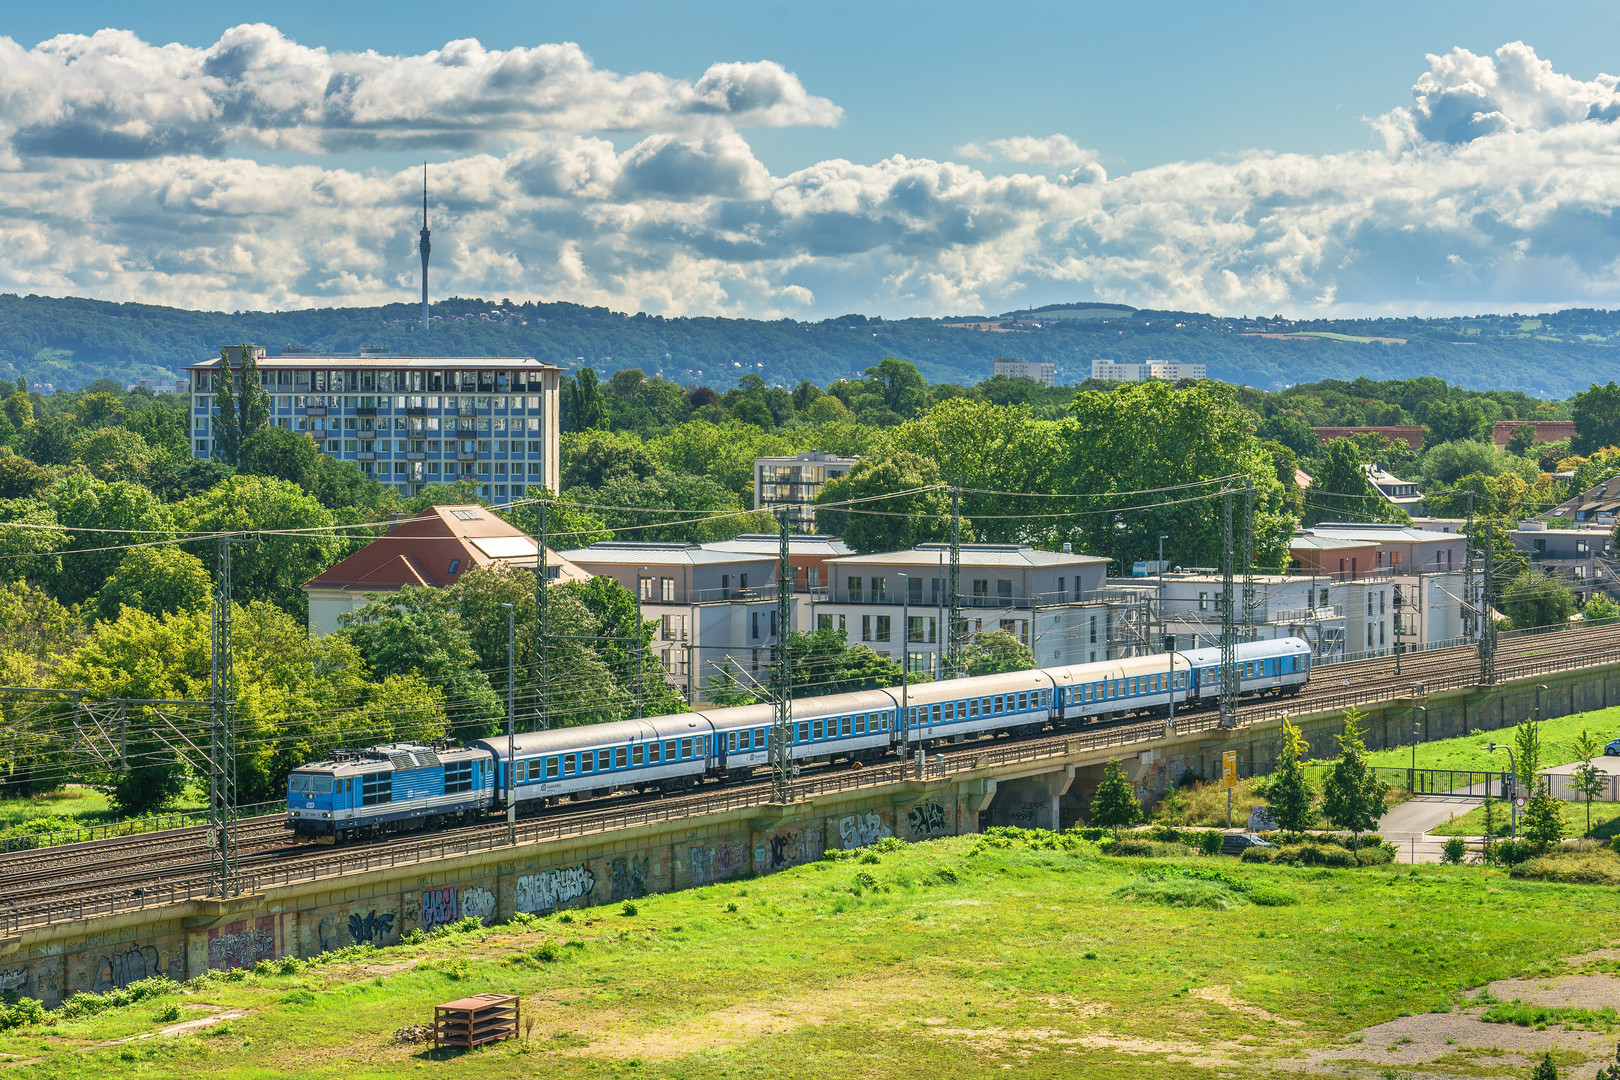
130	827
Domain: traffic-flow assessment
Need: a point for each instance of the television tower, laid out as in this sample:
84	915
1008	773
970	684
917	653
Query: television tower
424	246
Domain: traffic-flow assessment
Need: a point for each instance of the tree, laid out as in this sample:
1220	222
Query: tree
917	512
1290	432
1543	820
1339	491
582	406
1588	777
590	459
724	690
156	580
1447	463
1289	791
1115	803
1545	1069
1527	752
20	478
823	662
1600	609
128	512
1596	412
1447	421
997	652
114	453
1353	796
282	454
1535	598
49	441
32	553
1524	437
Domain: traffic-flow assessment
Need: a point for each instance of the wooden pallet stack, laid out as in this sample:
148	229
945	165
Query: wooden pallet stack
475	1021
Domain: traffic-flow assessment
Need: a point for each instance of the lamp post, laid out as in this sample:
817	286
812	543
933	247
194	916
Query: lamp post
1416	708
905	661
1513	788
1170	648
1539	688
635	675
511	738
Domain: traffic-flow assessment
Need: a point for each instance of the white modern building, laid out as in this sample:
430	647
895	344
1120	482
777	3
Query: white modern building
406	421
1170	370
1054	602
1034	370
794	482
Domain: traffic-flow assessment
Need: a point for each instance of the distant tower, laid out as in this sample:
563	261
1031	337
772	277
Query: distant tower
424	246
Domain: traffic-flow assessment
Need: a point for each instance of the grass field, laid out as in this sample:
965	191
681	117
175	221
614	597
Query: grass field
1605	821
952	958
89	805
1468	751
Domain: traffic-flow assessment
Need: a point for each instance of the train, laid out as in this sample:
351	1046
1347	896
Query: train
401	787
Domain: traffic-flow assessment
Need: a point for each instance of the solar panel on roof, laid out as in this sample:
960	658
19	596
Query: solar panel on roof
467	515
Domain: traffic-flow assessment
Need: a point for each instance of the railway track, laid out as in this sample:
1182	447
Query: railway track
176	862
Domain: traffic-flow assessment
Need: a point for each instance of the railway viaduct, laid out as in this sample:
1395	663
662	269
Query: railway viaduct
349	896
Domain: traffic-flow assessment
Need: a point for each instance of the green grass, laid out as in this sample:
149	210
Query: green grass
1605	821
954	958
88	805
1468	751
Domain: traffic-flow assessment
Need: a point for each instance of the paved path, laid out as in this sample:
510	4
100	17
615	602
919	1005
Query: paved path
1407	825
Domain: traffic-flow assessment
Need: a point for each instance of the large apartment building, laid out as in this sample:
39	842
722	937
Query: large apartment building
1170	370
794	482
407	421
1014	368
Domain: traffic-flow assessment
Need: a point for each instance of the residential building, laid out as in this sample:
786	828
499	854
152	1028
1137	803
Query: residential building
1410	434
1594	506
1440	524
1341	549
1582	557
716	610
1396	492
1054	602
1036	371
436	548
794	482
1547	431
407	421
807	556
1170	370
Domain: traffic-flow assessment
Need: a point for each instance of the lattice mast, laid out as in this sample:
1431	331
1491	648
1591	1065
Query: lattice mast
956	628
1229	679
224	872
782	719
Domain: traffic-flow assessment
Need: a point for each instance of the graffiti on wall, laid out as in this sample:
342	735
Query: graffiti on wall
629	876
859	830
927	819
438	907
242	944
132	965
15	979
372	928
784	849
478	903
715	864
1024	815
550	889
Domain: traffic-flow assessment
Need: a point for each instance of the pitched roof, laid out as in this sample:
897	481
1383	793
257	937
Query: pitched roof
423	550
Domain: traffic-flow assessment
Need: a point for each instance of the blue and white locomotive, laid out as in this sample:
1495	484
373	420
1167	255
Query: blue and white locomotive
402	787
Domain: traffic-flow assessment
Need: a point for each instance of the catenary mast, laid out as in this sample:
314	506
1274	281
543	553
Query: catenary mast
424	246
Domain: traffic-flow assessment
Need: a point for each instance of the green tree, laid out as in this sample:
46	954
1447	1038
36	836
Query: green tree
1535	598
1289	792
676	506
1339	491
1543	821
997	652
30	548
1527	752
1596	412
592	458
915	511
49	441
1523	438
20	478
126	513
724	690
583	407
274	568
1600	609
1353	797
419	631
1115	803
156	580
1588	777
1447	421
282	454
114	453
1447	463
1290	432
823	663
1545	1069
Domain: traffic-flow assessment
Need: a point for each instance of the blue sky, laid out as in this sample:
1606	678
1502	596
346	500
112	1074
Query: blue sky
1227	157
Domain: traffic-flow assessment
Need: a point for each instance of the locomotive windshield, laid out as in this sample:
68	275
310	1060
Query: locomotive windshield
304	784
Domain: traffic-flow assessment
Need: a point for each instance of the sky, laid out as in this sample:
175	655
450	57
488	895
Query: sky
772	160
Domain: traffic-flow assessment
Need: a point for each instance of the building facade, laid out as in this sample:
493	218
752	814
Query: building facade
794	482
1170	370
1036	371
407	421
1054	602
1581	557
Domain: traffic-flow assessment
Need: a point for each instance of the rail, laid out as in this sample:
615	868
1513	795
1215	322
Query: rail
129	827
938	767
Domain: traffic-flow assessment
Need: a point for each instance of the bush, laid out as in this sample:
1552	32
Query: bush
1323	851
168	1014
1574	864
629	909
1511	852
1151	849
1270	896
22	1011
82	1005
549	952
1210	841
1455	850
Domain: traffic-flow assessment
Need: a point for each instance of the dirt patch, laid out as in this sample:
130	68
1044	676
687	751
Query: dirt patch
1577	991
1222	996
184	1027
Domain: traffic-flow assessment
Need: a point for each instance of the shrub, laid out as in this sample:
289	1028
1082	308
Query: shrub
1270	896
1574	864
168	1014
549	952
629	909
82	1005
1209	842
1455	850
22	1011
297	997
1151	849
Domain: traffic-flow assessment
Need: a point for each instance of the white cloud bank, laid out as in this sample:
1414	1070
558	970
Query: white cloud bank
130	177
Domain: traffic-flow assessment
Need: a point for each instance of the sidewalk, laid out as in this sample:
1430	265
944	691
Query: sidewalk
1407	825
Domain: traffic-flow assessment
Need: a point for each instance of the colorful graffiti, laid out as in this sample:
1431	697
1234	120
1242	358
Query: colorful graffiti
552	889
629	876
927	819
438	907
242	945
371	928
133	964
859	830
478	903
723	861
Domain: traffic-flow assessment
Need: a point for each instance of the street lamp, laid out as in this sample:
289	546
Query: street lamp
511	739
905	660
1513	788
1539	688
1416	708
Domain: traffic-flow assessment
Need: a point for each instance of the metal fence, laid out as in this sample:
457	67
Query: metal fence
129	827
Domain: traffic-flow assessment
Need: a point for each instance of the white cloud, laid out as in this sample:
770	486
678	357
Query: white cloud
1497	188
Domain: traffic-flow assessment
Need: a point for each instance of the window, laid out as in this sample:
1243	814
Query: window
455	564
1023	702
804	732
551	768
1203	603
816	730
845	726
855	592
879	590
570	764
376	788
652	753
638	754
866	628
669	750
914	589
666	590
619	757
824	622
686	748
457	777
731	741
883	627
587	762
756	624
604	760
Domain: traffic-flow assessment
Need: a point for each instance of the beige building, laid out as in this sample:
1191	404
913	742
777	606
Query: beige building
1169	370
1034	370
794	482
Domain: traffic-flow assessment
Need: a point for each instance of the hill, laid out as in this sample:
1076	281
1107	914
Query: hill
67	342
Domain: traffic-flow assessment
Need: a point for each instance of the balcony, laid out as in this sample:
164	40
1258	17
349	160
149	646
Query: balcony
466	455
362	410
416	410
366	455
315	410
415	457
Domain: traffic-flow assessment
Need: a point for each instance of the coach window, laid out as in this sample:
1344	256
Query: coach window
619	756
551	768
804	731
1023	702
604	760
669	750
652	753
815	731
686	748
637	755
587	762
570	764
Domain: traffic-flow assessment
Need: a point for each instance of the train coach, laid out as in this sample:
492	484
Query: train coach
397	788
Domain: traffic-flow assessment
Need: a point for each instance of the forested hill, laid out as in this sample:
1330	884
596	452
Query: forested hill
68	342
